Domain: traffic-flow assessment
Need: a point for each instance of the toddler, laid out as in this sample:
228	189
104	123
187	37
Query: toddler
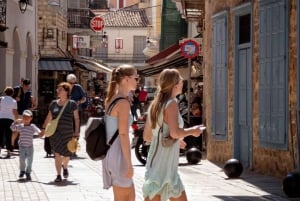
26	130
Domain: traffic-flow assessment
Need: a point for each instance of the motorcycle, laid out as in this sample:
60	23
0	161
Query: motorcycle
138	144
96	107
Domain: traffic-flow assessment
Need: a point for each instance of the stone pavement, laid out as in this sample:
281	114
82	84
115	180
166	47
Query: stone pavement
205	181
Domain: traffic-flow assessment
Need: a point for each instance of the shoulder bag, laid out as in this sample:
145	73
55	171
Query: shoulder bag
52	125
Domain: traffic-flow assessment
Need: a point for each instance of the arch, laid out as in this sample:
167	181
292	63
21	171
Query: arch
16	68
2	61
29	58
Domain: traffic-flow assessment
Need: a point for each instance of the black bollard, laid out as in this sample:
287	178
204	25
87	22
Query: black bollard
233	168
193	155
291	184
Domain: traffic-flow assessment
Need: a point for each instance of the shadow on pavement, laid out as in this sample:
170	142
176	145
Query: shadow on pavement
64	182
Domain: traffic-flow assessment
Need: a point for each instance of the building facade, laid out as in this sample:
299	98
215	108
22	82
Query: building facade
251	83
19	54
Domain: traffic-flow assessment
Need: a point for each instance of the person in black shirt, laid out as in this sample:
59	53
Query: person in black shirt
22	94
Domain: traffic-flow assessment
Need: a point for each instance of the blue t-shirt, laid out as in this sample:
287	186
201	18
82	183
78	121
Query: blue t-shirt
77	94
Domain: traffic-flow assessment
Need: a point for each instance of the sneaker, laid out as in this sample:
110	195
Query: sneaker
21	175
8	154
58	179
28	177
66	173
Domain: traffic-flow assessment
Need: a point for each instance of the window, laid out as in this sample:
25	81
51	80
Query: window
273	74
244	29
50	33
219	75
139	44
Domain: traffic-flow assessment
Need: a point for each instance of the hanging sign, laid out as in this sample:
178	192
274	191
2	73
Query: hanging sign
190	49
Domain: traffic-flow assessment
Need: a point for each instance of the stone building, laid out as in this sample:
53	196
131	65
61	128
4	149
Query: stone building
251	83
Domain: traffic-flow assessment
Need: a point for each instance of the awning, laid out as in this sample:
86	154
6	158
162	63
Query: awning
85	66
167	58
170	57
55	64
92	64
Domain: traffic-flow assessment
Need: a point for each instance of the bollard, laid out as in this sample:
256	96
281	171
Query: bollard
233	168
291	184
193	155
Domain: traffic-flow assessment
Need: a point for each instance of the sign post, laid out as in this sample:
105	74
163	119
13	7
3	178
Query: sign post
97	24
189	49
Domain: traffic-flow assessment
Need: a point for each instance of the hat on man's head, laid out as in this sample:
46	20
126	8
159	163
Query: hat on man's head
27	113
26	81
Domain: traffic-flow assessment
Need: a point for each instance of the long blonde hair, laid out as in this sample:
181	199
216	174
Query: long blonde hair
118	74
167	80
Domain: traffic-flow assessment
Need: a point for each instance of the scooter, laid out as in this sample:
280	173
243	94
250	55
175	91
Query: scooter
96	107
138	144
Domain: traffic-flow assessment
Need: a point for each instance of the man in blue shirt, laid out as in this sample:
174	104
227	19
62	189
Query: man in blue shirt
77	94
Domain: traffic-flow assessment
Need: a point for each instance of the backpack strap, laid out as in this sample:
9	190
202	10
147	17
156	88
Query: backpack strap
112	104
109	109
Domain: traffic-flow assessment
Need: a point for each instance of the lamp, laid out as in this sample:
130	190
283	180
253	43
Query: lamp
23	5
104	37
148	42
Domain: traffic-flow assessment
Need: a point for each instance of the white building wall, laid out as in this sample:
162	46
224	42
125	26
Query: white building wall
126	34
21	26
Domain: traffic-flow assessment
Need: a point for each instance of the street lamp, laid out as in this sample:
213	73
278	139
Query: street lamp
23	5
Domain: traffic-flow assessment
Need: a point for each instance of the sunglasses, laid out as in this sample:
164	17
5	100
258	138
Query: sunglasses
136	78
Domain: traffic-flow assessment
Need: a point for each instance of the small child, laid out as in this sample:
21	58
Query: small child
27	131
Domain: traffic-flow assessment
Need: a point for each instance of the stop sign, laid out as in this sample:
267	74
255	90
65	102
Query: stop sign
97	23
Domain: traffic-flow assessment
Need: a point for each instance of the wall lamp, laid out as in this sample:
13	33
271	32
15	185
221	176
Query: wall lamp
23	5
104	37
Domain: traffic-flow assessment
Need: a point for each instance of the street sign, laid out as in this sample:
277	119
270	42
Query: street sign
97	24
190	49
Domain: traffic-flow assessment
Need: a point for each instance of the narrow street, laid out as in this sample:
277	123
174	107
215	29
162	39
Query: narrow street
204	181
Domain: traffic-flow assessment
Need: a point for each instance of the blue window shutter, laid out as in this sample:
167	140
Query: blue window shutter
219	75
273	73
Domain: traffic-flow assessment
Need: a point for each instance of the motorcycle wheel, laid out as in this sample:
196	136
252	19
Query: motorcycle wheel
141	151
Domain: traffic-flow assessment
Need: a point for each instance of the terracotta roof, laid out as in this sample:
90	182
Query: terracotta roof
126	18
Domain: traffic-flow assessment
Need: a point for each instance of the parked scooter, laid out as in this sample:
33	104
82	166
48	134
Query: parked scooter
138	144
96	107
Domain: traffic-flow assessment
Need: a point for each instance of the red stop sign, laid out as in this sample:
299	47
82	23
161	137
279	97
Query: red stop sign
97	23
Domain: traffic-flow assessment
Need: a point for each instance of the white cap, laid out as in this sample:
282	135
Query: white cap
27	113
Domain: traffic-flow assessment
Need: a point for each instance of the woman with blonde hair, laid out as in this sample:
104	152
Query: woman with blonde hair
117	165
162	181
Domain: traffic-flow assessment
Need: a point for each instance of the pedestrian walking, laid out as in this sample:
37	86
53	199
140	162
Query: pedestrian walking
162	181
143	97
23	96
25	101
26	130
8	114
135	104
117	165
64	131
78	94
